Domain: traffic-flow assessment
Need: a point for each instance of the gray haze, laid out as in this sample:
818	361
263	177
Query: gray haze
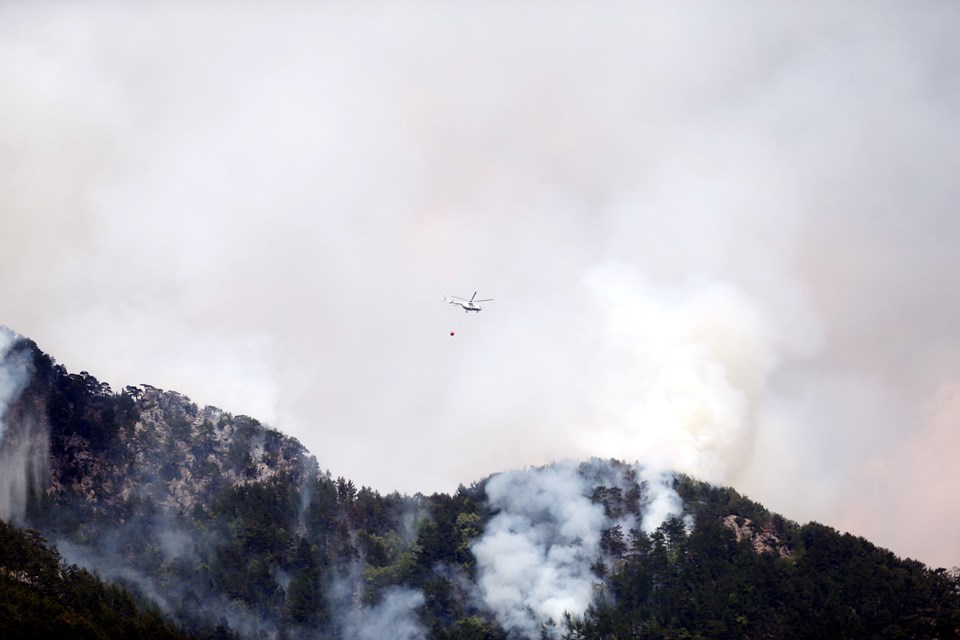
24	438
13	377
721	238
396	612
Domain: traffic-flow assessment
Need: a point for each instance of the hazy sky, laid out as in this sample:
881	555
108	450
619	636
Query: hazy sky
721	238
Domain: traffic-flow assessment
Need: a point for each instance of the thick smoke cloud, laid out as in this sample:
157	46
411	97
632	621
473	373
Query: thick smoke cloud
719	236
536	556
690	368
395	611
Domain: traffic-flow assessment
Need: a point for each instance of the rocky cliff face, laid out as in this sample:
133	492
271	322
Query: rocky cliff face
763	539
173	453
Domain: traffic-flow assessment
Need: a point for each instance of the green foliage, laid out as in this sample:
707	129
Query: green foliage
474	628
40	596
304	598
268	538
702	583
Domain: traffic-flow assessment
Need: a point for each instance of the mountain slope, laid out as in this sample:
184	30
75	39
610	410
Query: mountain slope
40	596
225	523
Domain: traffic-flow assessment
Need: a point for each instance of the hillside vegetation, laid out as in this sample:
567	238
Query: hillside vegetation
227	526
43	597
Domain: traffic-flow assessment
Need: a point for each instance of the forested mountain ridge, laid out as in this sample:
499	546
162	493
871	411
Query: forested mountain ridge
230	527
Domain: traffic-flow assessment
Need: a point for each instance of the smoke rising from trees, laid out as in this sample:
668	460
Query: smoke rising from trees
536	557
395	613
13	376
260	206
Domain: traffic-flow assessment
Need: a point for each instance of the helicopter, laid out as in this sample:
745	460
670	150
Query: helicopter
468	305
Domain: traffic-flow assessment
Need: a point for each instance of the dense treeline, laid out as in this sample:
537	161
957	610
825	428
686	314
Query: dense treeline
43	597
703	583
231	527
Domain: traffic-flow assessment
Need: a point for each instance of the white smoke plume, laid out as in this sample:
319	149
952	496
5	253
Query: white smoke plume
393	616
24	445
14	373
663	502
680	373
260	203
535	557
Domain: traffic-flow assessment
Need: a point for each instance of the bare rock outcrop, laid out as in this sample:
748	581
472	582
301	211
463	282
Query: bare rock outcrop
763	539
